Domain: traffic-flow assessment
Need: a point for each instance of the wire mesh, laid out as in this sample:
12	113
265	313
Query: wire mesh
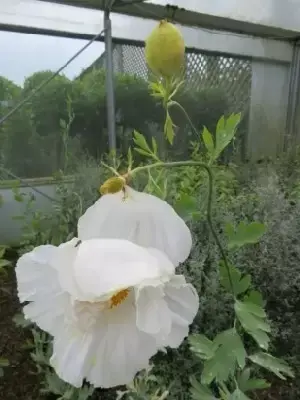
214	85
203	71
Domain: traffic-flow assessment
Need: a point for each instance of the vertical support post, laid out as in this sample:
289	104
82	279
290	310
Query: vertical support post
293	117
109	80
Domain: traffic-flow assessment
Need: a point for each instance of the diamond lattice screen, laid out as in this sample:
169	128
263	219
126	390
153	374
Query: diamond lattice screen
203	71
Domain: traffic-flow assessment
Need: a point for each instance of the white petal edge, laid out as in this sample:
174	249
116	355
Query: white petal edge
34	273
183	302
141	218
38	282
104	266
152	312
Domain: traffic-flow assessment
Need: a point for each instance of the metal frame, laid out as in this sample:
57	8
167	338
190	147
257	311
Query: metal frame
29	16
276	18
109	80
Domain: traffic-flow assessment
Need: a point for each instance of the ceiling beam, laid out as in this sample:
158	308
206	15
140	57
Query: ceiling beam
268	18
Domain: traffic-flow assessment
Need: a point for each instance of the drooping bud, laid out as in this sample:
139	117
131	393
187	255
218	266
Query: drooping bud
113	185
165	50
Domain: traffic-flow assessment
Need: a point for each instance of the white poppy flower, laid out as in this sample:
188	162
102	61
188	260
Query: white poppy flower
142	218
109	304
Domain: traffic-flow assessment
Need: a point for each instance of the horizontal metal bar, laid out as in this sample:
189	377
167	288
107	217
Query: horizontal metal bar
31	16
278	18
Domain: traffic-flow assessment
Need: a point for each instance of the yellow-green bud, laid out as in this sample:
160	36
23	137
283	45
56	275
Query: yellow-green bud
165	50
113	185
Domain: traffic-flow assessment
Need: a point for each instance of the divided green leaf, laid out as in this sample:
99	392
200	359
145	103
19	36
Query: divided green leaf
244	234
225	131
222	356
203	347
279	367
247	384
188	208
141	142
240	283
238	395
253	319
199	391
208	142
255	297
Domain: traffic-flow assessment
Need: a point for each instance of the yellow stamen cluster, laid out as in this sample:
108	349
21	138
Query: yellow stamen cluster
118	298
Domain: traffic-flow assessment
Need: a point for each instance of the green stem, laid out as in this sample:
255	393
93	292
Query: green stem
175	103
209	202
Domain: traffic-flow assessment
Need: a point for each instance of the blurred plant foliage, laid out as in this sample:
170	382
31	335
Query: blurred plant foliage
4	263
72	114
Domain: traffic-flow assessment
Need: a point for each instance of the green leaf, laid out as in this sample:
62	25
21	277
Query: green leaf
154	146
253	319
202	346
2	251
247	384
238	395
229	354
187	207
255	297
225	132
279	367
208	141
243	377
4	362
233	339
200	392
129	158
141	151
141	142
256	384
261	338
244	234
240	283
4	263
169	128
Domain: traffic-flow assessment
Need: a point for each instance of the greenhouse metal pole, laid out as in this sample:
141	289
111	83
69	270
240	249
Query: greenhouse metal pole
109	80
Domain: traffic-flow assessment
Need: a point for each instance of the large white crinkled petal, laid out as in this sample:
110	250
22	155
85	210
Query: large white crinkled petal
37	281
152	312
34	274
167	268
72	353
63	262
121	351
183	303
104	266
140	218
49	312
109	354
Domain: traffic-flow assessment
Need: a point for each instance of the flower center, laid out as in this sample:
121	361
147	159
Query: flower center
118	298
